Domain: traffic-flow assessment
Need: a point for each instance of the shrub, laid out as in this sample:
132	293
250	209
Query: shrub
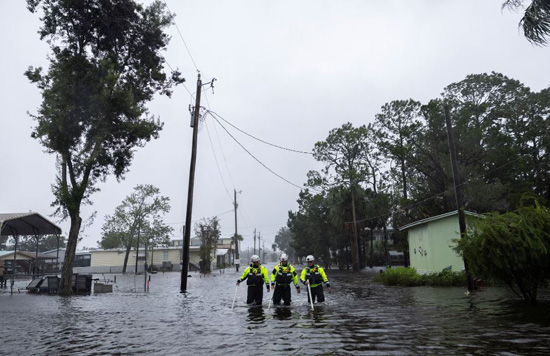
445	279
402	276
513	248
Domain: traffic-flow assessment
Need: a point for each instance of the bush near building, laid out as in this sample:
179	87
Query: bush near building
403	276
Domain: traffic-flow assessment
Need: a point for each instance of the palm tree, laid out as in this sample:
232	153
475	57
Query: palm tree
536	21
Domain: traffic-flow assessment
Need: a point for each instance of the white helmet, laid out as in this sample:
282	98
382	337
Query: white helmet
255	258
284	257
310	258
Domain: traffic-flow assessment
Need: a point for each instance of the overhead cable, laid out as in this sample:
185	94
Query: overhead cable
251	155
258	139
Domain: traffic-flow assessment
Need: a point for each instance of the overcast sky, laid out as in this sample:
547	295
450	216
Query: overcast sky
287	72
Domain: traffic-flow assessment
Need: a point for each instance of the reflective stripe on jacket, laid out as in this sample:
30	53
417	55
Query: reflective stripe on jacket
316	275
284	275
255	276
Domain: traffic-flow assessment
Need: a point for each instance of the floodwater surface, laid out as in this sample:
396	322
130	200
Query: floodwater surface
360	317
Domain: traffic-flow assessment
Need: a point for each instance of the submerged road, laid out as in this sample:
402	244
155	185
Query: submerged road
360	317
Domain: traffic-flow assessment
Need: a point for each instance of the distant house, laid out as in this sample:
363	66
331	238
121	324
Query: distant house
431	242
112	260
224	254
57	257
25	262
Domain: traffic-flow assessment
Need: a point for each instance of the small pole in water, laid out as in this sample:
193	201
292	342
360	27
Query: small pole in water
270	299
235	297
309	293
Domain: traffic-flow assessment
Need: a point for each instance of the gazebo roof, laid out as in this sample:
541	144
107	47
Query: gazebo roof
31	223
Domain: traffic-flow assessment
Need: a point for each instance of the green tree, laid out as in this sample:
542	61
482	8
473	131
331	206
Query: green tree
499	123
513	247
283	240
535	21
344	152
310	227
395	132
209	233
140	215
104	67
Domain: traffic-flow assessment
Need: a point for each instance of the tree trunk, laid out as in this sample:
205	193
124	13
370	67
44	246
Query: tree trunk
354	240
388	261
128	248
65	286
404	178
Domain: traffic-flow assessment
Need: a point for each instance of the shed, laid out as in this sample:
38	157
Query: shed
431	242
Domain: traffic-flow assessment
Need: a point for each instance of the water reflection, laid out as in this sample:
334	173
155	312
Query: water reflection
256	314
282	313
359	317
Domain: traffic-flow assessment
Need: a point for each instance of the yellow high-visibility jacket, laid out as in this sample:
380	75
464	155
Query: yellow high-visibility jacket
255	275
284	275
316	276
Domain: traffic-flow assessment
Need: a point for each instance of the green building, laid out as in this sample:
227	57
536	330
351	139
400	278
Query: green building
431	242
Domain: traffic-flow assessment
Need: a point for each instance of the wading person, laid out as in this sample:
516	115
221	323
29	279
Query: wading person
256	276
315	276
282	276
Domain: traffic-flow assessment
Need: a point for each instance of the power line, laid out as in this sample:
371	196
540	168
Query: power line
172	69
256	159
258	139
183	222
184	43
216	159
223	156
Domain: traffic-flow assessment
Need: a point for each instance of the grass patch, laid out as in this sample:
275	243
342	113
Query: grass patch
402	276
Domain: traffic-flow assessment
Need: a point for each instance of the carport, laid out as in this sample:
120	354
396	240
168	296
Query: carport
26	224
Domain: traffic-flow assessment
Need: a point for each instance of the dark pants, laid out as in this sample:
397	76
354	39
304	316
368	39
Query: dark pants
255	295
281	292
317	293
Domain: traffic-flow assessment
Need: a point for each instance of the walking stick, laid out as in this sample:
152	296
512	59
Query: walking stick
235	297
270	299
309	293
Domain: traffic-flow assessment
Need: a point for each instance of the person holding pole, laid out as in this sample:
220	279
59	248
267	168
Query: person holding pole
256	275
281	277
314	276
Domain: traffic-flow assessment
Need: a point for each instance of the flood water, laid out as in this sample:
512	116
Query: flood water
360	317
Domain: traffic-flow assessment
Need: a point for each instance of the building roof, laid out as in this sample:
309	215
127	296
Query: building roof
149	249
221	251
29	254
26	224
438	217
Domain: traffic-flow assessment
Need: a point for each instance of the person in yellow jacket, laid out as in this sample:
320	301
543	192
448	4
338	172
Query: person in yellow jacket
281	277
315	276
256	275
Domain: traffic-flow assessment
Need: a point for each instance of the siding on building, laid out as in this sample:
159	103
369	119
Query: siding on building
115	257
431	245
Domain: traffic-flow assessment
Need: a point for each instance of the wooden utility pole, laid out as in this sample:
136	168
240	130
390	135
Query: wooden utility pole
187	235
254	241
259	246
355	238
458	190
237	261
